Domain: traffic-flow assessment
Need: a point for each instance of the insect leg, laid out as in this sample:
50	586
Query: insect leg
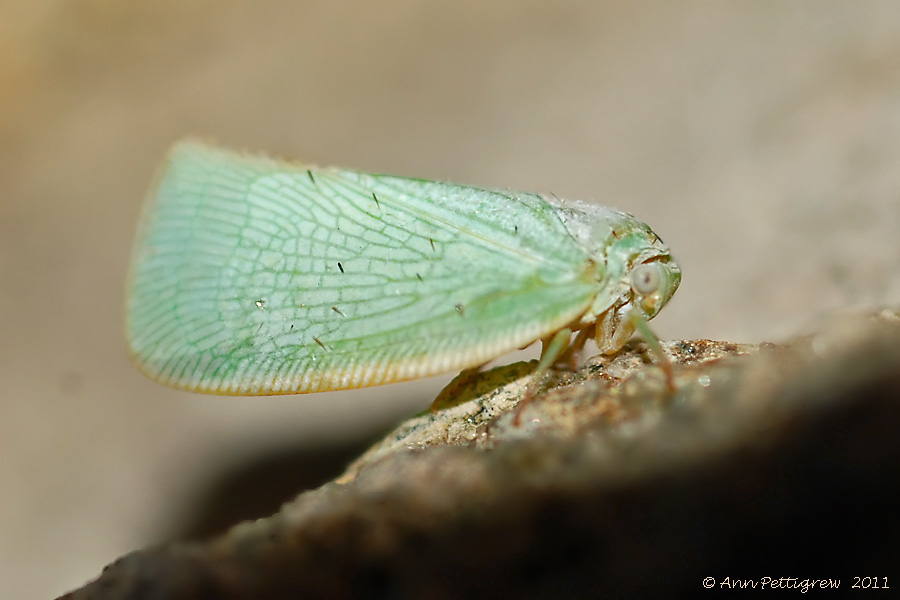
641	326
553	349
572	355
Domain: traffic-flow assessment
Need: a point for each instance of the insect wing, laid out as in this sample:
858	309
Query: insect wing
253	276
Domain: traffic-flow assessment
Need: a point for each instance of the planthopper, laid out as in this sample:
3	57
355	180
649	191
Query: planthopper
255	276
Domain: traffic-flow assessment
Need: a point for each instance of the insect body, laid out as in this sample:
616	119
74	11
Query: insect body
254	276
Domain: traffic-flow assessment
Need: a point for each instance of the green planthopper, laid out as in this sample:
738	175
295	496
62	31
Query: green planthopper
254	276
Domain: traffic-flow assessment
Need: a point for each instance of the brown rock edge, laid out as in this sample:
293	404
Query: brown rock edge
778	460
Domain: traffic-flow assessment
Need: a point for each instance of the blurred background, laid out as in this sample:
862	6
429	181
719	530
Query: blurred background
760	139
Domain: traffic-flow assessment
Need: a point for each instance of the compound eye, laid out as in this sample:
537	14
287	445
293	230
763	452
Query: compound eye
646	278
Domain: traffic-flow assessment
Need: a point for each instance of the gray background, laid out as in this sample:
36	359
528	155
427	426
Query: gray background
758	138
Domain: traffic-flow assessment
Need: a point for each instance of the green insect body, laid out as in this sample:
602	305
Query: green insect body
254	276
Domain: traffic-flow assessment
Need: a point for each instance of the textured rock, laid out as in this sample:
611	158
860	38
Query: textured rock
761	459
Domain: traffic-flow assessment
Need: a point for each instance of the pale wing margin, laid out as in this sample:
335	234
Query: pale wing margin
252	276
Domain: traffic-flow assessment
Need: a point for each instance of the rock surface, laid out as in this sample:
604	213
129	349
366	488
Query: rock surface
760	459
